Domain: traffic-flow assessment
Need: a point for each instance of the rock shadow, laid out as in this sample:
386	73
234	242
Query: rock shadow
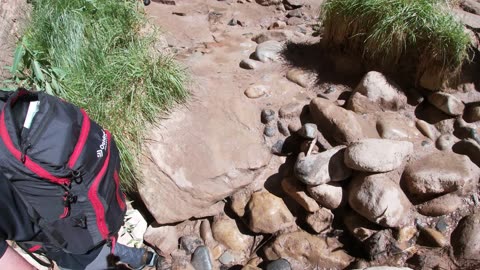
328	65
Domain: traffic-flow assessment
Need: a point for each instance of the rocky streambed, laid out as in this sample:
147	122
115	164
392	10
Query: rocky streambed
367	181
368	171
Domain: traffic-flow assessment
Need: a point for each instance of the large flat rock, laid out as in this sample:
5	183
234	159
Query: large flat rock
198	157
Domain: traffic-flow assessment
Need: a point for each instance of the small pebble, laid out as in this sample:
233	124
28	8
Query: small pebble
277	148
248	64
201	259
256	91
227	258
268	115
280	264
308	131
441	225
445	142
233	22
270	131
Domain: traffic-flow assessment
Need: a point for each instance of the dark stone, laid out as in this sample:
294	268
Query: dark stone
267	116
233	22
469	148
280	264
201	259
283	128
270	131
379	244
190	242
277	148
441	225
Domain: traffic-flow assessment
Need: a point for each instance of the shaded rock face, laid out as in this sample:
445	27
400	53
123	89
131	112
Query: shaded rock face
377	155
440	173
376	93
466	238
342	125
175	171
359	226
380	200
268	213
322	168
296	191
305	251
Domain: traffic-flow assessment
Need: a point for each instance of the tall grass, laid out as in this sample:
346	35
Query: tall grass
389	31
93	54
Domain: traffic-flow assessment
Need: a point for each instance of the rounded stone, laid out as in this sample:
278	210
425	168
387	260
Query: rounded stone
280	264
330	195
256	91
380	200
321	168
466	237
377	155
248	64
440	206
447	103
445	142
270	131
440	173
268	213
267	116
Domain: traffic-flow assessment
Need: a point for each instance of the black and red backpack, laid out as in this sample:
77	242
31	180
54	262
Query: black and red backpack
65	168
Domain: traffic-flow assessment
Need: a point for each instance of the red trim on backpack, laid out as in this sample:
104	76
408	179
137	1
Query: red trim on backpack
32	166
81	140
120	201
34	248
21	93
93	194
113	240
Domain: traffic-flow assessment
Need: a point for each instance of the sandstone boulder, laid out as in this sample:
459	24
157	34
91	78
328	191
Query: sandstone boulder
268	213
380	200
439	173
377	155
340	124
306	251
164	238
176	174
321	168
359	226
376	93
395	128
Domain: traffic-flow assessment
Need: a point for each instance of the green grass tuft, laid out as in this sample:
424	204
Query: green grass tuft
96	54
389	31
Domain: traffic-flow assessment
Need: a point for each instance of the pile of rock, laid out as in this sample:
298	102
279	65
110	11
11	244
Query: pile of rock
367	183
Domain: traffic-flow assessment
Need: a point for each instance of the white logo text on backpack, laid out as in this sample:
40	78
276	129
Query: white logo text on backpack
103	145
